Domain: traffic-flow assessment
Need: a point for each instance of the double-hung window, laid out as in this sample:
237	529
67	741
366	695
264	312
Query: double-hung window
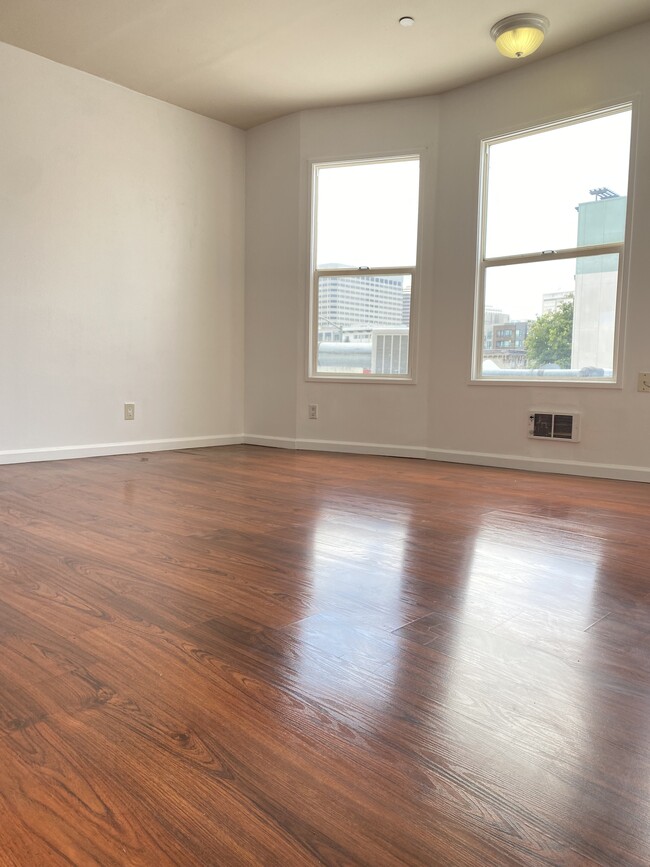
552	231
364	260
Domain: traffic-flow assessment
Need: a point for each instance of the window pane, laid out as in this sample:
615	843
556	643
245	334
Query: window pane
363	324
539	186
367	215
552	318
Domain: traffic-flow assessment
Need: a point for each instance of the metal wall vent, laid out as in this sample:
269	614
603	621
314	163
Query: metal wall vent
554	426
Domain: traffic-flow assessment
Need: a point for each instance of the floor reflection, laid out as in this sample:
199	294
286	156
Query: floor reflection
356	576
515	703
358	557
530	588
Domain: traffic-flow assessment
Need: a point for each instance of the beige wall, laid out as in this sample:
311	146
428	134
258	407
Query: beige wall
442	415
121	267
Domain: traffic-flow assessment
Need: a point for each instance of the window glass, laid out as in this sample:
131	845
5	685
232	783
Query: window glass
552	196
537	182
570	328
363	324
367	214
366	222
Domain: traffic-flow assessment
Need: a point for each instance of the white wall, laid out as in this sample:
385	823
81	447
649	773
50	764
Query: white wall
121	267
279	156
490	419
443	416
122	271
272	277
367	412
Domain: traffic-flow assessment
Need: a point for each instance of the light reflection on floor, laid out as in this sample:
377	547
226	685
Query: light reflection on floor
525	587
357	573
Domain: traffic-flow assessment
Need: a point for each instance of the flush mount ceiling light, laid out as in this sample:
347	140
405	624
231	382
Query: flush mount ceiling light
519	35
407	21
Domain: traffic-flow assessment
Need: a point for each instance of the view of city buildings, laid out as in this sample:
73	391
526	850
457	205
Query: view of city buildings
364	319
363	323
507	343
593	296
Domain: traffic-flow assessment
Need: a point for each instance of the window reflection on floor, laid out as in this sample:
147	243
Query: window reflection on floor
514	678
357	572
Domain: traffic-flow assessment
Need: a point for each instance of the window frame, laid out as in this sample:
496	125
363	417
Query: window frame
315	274
483	262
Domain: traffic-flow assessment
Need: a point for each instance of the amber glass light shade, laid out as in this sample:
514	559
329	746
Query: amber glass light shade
520	35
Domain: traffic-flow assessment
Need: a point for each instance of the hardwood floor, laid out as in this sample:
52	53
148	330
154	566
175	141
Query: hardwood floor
244	656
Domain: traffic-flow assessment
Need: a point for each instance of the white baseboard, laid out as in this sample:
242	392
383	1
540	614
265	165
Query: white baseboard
355	448
269	442
513	462
59	453
362	448
621	472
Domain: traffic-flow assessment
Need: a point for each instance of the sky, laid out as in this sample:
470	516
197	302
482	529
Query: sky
367	214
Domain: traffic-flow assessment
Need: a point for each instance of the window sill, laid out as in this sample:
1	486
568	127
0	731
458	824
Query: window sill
391	380
547	382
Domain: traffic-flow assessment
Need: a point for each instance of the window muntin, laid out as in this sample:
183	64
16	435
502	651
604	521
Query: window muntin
364	249
538	244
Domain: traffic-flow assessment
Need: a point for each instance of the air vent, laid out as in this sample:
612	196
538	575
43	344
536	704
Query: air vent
554	426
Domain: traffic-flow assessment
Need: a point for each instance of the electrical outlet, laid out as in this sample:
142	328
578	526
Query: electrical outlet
644	382
312	411
129	411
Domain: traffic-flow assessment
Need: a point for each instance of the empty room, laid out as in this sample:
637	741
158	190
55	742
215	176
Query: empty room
324	475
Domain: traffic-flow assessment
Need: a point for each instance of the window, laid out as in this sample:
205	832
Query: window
552	228
364	260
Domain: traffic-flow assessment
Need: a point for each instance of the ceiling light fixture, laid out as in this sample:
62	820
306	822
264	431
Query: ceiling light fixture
407	21
519	35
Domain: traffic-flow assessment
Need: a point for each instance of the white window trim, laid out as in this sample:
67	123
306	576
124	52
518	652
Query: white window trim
483	262
315	274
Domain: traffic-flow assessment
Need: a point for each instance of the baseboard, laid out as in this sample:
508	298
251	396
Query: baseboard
485	459
269	442
355	448
59	453
514	462
389	450
621	472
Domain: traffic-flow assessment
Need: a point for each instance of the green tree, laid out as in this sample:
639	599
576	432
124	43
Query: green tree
549	338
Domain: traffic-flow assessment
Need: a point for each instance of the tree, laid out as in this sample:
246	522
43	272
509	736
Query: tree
549	338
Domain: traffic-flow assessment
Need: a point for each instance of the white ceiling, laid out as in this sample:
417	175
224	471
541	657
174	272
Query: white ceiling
247	61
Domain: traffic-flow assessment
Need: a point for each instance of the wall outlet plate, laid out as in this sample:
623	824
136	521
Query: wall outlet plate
312	411
129	411
644	382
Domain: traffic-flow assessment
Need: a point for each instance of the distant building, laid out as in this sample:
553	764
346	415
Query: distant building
492	316
406	305
507	348
509	335
552	301
363	323
358	302
594	316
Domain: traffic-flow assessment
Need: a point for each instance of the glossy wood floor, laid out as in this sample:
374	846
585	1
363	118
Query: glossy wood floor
251	656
